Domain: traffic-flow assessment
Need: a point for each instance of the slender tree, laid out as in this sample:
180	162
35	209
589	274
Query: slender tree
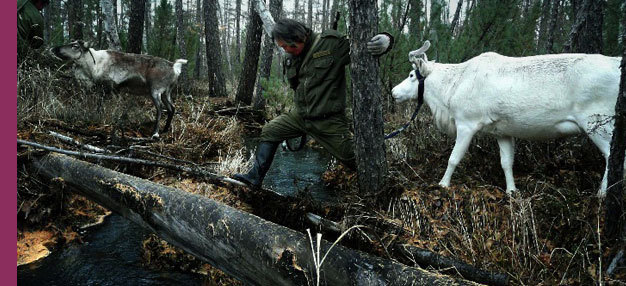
245	89
586	33
310	14
543	25
554	20
135	26
615	221
238	30
198	65
265	69
75	19
366	98
217	86
147	24
110	26
182	48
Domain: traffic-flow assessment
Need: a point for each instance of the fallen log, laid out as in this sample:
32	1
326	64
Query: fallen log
245	246
422	256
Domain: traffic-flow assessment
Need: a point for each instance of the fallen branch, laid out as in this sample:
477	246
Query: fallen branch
245	246
425	257
191	170
73	141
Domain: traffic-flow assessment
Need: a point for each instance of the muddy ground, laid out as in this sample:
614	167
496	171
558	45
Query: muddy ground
549	232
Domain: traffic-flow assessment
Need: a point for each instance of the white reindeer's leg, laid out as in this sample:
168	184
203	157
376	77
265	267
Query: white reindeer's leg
464	136
602	139
156	99
507	155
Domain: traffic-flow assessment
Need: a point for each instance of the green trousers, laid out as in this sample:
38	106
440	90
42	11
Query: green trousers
333	133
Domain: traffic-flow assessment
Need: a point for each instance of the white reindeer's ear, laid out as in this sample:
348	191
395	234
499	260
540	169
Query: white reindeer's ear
414	66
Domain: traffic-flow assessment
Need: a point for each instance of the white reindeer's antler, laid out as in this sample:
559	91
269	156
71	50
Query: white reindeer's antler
414	55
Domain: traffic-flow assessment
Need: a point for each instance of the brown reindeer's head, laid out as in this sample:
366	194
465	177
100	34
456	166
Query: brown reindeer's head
72	51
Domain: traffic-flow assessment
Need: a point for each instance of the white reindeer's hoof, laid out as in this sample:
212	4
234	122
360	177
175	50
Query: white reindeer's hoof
155	136
510	192
444	185
601	194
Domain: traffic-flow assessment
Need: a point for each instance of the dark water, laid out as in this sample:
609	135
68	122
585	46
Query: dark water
111	254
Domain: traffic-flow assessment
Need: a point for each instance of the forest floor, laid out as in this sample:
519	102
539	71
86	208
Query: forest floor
549	232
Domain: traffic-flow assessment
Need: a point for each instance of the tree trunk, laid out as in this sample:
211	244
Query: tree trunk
110	26
182	48
75	19
615	222
415	15
245	246
554	20
217	87
197	67
237	31
586	34
135	26
455	21
310	15
47	21
543	25
147	24
100	24
247	80
276	6
366	98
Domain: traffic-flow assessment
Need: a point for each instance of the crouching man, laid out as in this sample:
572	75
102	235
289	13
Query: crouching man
315	69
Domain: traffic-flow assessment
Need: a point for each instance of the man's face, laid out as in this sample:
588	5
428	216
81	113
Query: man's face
293	48
40	4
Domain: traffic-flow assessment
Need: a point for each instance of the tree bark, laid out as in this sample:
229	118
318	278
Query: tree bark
267	54
110	26
543	25
366	98
182	47
414	23
554	20
245	246
310	14
75	19
147	24
198	66
217	87
586	33
135	26
237	30
615	222
247	80
455	20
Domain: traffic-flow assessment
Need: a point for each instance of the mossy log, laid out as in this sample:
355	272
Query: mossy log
245	246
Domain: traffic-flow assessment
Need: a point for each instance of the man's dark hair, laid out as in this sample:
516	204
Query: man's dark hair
289	30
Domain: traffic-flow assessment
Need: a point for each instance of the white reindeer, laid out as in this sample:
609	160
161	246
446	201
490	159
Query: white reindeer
538	98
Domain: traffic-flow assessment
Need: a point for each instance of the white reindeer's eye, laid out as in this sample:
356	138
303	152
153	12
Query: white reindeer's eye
411	75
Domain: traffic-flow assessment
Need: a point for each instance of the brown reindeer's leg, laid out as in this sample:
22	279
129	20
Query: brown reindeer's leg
156	99
167	101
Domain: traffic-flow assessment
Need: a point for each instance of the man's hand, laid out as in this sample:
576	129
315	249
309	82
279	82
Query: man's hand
379	44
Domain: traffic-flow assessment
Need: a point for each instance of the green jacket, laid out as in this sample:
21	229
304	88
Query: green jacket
29	26
320	81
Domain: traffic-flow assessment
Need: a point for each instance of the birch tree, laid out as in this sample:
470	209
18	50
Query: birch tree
110	28
265	69
182	48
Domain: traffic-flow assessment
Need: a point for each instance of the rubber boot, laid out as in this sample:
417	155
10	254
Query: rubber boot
262	162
